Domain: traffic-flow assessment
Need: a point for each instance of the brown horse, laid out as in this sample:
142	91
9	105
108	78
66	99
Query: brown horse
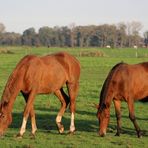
41	75
124	82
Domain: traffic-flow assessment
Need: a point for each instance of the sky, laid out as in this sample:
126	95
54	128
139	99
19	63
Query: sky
19	15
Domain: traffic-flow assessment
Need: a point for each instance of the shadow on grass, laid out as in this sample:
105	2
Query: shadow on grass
129	131
125	130
137	118
46	122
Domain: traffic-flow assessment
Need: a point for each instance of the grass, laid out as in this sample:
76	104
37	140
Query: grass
93	73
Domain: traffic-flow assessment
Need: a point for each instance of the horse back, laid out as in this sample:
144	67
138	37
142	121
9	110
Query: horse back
69	63
131	81
48	73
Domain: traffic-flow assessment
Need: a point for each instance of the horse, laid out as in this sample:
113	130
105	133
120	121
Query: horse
41	75
124	82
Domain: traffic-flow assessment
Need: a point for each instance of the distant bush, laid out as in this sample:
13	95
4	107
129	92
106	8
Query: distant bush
92	54
5	51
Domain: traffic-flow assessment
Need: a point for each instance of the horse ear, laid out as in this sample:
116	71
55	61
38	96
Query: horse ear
96	106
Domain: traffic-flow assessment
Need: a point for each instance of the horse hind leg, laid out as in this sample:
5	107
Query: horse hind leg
33	122
73	91
64	103
66	98
133	118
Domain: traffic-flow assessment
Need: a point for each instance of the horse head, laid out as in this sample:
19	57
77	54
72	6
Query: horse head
103	115
5	117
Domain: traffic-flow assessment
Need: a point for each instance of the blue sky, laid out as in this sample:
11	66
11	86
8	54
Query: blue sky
18	15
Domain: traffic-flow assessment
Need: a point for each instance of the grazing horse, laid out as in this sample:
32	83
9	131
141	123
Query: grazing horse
41	75
124	82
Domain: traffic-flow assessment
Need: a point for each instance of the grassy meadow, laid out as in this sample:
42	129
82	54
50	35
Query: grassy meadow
95	65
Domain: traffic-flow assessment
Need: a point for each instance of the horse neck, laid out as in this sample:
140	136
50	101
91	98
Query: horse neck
10	102
107	92
105	95
109	98
10	93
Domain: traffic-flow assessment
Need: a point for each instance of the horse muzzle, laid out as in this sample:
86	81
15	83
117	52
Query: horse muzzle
102	134
1	134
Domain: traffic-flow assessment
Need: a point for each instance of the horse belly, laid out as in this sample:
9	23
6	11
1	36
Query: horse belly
51	84
44	90
141	93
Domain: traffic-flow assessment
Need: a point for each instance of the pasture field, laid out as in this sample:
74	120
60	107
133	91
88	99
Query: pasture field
94	69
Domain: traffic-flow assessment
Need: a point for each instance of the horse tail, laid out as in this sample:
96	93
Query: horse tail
105	86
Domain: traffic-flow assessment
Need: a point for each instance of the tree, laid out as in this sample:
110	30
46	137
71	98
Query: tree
65	36
28	37
121	34
10	38
45	36
146	38
136	27
2	28
84	35
133	30
72	34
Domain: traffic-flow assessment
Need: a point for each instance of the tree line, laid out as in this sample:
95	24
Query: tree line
117	36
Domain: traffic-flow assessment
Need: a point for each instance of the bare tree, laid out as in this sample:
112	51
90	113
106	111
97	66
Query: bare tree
146	38
2	28
133	32
136	27
121	34
72	34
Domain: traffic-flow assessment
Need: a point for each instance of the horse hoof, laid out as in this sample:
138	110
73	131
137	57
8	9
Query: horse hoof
139	136
61	130
117	134
1	136
32	136
71	132
19	136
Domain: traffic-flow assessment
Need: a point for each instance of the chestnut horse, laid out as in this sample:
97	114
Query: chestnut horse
41	75
124	82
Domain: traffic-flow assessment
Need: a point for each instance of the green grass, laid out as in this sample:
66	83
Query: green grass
93	73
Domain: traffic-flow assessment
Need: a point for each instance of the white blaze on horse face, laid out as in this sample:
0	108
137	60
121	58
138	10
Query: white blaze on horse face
23	127
58	119
72	125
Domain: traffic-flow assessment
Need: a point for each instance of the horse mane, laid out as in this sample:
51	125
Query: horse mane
9	88
105	87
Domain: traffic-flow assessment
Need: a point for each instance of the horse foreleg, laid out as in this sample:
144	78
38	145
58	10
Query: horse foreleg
133	118
61	112
33	122
73	91
32	115
22	129
27	110
117	104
